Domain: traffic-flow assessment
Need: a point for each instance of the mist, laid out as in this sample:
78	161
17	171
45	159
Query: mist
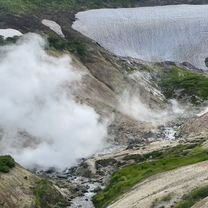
132	105
41	124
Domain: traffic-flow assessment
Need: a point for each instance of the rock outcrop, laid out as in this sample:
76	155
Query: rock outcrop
195	128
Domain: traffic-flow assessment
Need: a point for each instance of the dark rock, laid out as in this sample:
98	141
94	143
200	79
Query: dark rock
206	62
50	171
62	176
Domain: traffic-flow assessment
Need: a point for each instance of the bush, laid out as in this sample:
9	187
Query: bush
193	197
6	163
46	195
73	46
179	83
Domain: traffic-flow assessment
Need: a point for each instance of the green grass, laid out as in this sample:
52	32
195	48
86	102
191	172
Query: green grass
6	163
166	198
193	197
46	196
56	43
125	178
25	6
73	46
178	82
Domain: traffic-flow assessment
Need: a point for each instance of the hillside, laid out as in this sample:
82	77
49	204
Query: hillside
114	128
20	188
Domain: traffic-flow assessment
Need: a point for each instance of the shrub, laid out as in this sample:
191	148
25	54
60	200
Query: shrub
179	83
73	46
6	163
46	196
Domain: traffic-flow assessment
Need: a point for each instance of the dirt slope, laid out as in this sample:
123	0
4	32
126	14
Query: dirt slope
176	183
16	188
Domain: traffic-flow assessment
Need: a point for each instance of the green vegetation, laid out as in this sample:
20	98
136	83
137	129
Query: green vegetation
24	6
193	197
73	46
6	163
46	196
166	198
56	43
125	178
179	83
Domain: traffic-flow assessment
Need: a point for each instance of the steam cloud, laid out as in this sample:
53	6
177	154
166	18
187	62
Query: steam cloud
138	102
41	124
132	105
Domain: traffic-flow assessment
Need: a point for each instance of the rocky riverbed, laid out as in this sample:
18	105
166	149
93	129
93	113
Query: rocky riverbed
80	183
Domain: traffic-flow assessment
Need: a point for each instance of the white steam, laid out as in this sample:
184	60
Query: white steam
132	105
41	124
140	102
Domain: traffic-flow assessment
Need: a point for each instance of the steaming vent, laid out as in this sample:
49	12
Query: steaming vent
163	33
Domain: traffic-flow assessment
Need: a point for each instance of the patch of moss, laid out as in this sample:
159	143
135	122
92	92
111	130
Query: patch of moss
125	178
6	163
46	196
56	43
74	46
193	197
166	198
179	83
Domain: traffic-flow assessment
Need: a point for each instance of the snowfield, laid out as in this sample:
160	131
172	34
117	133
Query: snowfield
163	33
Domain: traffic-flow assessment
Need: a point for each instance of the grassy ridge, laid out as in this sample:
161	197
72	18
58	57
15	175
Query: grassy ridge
124	179
177	83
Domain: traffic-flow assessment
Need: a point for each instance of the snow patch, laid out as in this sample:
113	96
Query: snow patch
9	33
176	33
54	26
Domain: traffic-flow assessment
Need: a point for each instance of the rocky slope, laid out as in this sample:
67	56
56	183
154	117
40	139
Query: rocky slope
195	128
